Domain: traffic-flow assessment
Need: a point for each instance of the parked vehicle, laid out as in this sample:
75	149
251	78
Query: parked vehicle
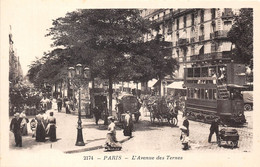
229	137
248	100
128	102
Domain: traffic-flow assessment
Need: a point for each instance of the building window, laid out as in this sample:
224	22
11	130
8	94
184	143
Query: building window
169	27
185	54
178	53
177	22
213	27
202	30
202	16
184	20
192	19
213	14
192	50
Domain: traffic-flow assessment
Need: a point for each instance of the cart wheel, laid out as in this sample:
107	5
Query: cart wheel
175	121
247	107
170	121
235	144
219	143
232	144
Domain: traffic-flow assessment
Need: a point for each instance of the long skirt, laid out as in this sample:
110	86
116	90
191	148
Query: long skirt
40	133
52	133
112	141
24	130
128	131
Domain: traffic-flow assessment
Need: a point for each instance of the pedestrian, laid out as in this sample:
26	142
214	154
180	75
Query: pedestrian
111	141
59	104
33	125
67	104
44	102
186	124
184	138
24	124
51	128
97	114
214	128
15	127
128	124
40	129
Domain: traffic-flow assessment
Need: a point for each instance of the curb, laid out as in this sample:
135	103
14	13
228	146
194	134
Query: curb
92	148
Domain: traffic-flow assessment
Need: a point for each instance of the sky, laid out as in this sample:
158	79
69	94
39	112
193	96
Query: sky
30	20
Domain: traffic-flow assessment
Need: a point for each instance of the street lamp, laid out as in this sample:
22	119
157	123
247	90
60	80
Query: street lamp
78	75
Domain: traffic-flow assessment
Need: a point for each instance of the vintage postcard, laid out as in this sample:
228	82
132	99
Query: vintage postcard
129	83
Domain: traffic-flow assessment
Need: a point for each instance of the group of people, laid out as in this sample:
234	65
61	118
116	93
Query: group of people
112	141
41	127
214	128
19	127
69	104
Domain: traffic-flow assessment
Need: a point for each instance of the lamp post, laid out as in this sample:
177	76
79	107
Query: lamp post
77	75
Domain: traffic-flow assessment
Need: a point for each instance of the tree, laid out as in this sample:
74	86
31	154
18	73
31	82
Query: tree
241	34
152	59
102	38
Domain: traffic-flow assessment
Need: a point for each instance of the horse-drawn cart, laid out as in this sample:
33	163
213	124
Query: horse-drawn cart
160	110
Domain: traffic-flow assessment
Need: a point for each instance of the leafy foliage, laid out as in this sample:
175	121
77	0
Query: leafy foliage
241	34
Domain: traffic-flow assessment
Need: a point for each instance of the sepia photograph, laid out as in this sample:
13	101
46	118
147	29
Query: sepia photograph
91	85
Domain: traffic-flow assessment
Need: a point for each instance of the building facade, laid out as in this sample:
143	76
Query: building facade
195	34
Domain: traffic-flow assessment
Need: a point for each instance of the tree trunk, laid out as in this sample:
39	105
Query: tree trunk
160	86
110	94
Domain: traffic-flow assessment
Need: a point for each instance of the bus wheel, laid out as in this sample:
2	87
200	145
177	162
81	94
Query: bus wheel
247	107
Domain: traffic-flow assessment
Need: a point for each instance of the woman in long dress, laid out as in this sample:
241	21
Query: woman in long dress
51	129
111	141
24	124
128	125
40	129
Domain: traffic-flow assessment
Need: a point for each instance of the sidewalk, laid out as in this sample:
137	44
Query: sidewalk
94	135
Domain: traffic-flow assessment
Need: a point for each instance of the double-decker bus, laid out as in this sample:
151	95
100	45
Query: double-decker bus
214	91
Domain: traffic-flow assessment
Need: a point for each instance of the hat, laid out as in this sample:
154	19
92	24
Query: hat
16	114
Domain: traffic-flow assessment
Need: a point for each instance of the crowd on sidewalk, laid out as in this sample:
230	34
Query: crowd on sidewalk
43	125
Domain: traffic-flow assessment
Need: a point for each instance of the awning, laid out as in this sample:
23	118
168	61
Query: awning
176	85
152	82
198	48
226	46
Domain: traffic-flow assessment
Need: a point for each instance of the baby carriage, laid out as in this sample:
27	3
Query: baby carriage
228	136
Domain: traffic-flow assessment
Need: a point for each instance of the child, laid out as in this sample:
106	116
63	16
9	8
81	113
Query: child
33	126
184	138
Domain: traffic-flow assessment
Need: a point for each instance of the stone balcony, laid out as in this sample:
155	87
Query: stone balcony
219	34
182	42
211	56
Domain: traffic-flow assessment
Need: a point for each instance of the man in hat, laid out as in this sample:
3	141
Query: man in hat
15	127
97	113
214	128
